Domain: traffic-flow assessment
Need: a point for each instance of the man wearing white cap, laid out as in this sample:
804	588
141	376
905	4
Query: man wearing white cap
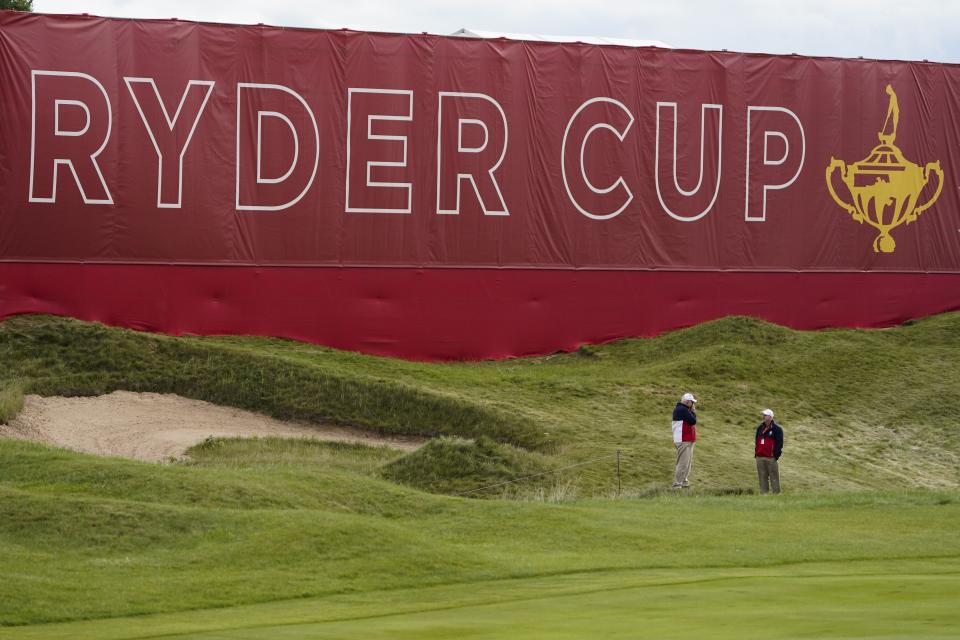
767	450
684	437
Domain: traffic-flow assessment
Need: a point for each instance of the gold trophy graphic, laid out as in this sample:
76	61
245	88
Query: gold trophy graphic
885	186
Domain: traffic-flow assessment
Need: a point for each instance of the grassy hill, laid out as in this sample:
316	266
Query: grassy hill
861	409
271	538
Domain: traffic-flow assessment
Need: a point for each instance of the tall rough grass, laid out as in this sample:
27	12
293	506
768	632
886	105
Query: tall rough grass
11	399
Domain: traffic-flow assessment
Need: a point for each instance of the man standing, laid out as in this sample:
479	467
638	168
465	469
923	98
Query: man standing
767	450
684	437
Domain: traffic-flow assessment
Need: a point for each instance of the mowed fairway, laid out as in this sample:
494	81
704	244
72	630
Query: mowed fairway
272	538
903	599
860	599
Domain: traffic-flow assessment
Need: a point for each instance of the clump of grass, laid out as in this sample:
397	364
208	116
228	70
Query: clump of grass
11	399
455	465
549	489
588	351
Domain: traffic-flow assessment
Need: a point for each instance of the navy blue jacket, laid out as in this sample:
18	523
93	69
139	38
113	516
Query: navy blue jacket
682	412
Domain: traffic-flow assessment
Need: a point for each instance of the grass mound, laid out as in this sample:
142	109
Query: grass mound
458	465
58	356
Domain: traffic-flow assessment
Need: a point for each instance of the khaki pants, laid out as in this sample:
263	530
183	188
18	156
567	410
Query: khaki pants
768	471
681	477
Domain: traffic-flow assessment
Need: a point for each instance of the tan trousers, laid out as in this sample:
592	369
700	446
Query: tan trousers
768	471
681	477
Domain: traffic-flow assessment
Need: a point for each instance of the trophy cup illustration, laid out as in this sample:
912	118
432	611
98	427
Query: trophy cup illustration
885	186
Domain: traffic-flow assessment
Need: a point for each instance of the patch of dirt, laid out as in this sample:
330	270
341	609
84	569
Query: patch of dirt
155	427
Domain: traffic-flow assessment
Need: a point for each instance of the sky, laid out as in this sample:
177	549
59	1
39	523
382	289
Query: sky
886	29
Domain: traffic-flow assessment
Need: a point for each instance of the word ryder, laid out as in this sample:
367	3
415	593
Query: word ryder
462	138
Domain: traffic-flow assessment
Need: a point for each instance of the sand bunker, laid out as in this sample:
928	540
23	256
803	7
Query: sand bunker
155	427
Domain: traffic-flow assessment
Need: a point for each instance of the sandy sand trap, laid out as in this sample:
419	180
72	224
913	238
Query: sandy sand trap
155	427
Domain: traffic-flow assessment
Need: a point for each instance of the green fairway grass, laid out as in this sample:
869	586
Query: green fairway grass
855	599
269	538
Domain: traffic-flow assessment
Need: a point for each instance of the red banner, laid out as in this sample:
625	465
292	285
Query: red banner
234	152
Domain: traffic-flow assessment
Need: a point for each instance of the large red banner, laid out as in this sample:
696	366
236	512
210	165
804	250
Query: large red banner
320	184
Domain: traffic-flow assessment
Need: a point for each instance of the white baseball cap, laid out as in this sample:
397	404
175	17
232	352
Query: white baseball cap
767	412
688	397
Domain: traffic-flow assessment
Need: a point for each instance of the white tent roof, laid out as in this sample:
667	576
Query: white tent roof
623	42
